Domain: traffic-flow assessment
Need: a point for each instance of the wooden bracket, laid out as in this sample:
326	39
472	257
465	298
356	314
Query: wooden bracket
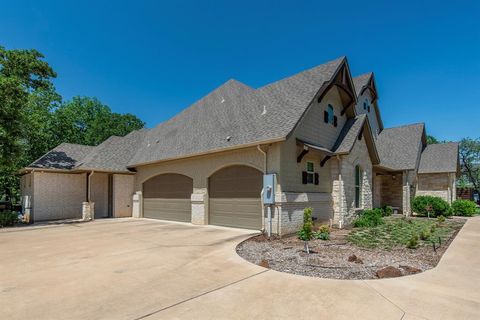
302	154
324	160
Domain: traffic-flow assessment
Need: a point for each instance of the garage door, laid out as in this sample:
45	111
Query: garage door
167	197
235	197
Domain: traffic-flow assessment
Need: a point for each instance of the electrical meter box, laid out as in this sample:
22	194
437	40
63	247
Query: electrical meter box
269	182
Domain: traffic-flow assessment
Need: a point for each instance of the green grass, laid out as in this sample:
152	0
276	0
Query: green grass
397	232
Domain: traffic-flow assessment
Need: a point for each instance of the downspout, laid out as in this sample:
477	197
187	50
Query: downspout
269	208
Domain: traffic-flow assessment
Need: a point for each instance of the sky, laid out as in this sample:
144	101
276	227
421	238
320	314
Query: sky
155	58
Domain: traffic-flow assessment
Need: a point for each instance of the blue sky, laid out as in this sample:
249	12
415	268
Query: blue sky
155	58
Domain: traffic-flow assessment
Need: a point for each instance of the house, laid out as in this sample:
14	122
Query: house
320	131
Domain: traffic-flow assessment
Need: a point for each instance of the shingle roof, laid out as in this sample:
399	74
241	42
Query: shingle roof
442	157
65	156
235	110
360	81
349	134
114	153
399	148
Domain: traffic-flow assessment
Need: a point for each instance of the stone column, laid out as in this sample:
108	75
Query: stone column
88	211
137	205
199	206
338	194
406	194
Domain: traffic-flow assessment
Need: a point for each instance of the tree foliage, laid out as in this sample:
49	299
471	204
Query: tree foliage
33	118
470	162
431	140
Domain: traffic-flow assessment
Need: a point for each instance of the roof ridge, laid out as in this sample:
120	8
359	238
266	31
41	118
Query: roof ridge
407	125
337	60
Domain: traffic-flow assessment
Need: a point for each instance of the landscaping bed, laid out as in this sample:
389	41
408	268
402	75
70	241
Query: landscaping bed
359	253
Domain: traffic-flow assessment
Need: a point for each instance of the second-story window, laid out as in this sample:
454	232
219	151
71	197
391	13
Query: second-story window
331	115
310	172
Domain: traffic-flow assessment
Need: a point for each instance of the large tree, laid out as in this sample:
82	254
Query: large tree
27	96
33	118
470	162
87	121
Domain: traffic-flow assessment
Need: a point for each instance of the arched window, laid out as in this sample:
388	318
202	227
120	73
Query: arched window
331	115
358	186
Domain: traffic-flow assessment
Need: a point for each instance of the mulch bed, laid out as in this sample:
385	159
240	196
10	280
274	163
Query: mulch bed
339	259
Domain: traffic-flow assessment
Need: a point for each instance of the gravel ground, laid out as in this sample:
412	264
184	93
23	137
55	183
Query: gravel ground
330	259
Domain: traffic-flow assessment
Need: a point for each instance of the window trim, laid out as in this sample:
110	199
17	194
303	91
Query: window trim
358	186
310	173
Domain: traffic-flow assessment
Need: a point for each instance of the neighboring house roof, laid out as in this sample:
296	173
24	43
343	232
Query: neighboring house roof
236	115
64	157
441	157
400	147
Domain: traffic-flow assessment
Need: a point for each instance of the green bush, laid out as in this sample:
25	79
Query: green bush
413	242
441	219
323	232
306	232
8	218
369	218
387	211
437	206
462	207
425	234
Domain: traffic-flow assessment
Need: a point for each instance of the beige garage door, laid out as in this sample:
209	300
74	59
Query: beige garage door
167	197
235	197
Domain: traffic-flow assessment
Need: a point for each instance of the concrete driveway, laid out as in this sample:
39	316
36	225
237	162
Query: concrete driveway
145	269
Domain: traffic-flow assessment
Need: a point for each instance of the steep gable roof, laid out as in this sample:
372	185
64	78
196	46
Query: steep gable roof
63	157
236	115
351	131
365	82
441	157
400	147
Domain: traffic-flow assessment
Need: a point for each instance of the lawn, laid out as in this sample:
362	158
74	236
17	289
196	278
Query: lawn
399	231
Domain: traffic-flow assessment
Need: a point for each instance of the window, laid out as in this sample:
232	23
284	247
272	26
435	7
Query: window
366	105
310	172
331	115
358	186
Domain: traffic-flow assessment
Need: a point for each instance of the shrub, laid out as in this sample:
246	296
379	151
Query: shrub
437	206
387	211
425	234
306	232
369	218
8	218
462	207
413	242
323	232
441	219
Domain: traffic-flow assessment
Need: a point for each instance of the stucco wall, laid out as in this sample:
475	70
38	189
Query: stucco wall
99	194
291	171
312	127
58	195
122	195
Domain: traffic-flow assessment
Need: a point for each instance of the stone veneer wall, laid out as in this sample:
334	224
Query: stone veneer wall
437	184
343	179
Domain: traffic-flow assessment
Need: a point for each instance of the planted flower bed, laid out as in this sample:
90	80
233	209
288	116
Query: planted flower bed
397	246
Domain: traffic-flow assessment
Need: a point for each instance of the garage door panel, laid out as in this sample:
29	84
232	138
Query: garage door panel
167	209
242	213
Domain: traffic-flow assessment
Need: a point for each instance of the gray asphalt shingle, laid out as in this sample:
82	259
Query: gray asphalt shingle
399	148
65	156
441	157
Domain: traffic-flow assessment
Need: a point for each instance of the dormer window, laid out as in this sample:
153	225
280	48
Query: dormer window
366	105
329	116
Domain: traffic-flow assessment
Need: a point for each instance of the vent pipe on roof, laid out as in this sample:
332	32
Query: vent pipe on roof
264	112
